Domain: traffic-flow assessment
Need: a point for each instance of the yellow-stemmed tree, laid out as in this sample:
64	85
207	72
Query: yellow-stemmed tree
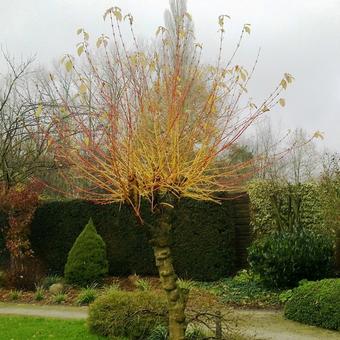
143	137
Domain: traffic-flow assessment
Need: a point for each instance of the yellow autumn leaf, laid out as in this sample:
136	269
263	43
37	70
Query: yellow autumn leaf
318	135
246	28
265	108
118	14
282	102
38	112
283	83
129	17
107	12
80	50
69	65
82	88
289	77
188	15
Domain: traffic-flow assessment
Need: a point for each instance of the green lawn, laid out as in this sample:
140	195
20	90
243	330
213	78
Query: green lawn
22	328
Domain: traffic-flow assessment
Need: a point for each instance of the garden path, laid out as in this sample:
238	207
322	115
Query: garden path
263	324
59	312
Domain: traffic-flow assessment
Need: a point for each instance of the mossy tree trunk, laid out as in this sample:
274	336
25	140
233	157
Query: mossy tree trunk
176	297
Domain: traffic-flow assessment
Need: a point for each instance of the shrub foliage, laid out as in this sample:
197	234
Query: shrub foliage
86	261
127	314
284	258
316	303
277	206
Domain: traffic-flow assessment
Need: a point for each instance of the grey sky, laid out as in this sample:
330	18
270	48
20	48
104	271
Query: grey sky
301	37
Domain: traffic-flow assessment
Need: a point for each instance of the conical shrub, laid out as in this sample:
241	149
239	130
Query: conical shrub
86	261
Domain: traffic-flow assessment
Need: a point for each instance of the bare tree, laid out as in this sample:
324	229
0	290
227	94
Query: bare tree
297	166
22	145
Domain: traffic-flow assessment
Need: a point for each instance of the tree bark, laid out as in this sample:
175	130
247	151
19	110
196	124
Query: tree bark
176	297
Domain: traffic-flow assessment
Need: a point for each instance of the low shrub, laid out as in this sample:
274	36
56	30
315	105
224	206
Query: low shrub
127	314
86	261
282	259
316	303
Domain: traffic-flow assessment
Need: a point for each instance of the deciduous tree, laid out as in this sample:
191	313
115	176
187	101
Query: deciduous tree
140	140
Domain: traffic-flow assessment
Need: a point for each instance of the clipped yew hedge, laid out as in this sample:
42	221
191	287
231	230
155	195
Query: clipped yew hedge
203	237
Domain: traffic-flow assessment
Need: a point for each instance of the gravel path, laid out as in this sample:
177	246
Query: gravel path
272	325
60	312
259	323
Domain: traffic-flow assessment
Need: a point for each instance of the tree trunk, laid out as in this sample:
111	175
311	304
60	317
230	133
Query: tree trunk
176	297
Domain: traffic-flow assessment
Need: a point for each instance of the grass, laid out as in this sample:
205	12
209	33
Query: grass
21	327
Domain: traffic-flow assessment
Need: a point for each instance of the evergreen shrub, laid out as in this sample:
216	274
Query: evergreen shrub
133	315
282	259
86	261
316	303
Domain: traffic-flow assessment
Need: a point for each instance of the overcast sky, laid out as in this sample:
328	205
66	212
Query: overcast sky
301	37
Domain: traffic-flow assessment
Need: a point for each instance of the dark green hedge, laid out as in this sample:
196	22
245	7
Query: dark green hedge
203	237
316	303
3	250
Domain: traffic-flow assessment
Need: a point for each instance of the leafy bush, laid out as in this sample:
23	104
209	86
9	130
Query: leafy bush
275	206
316	303
282	259
86	262
127	314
